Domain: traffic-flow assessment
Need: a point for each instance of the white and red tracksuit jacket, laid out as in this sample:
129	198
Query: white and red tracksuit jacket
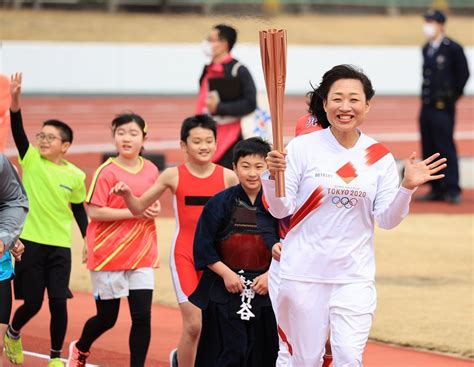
334	195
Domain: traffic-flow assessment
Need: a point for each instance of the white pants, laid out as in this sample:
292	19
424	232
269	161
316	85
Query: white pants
307	311
273	287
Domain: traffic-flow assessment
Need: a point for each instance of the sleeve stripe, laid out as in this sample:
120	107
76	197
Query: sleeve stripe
94	180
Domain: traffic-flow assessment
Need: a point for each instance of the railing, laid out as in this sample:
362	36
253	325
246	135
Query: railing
392	6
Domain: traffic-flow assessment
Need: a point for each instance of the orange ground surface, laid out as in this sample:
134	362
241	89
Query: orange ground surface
111	350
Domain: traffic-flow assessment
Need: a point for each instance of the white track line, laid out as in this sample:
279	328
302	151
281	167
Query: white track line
44	356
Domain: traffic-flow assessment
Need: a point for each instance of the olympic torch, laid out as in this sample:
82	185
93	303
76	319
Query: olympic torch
273	53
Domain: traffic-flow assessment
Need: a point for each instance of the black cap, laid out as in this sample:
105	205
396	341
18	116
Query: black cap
436	15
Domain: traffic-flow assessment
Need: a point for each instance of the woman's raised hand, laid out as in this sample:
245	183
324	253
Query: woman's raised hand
418	173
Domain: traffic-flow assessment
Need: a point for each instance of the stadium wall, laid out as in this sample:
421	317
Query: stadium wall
173	69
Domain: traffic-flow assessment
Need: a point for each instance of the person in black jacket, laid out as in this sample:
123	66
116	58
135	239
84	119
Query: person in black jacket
226	111
445	73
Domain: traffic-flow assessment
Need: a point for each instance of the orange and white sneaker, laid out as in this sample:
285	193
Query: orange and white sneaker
76	357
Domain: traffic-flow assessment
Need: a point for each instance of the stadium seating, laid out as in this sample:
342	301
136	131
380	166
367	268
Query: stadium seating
209	5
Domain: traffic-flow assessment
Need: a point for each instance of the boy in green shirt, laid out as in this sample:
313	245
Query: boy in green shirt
56	192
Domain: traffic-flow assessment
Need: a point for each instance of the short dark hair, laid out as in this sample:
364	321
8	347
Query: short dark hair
64	130
318	95
227	33
251	146
204	121
126	118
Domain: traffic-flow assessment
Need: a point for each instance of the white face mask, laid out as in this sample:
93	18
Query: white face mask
207	49
429	30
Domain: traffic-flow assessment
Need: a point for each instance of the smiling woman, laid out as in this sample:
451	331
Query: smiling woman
338	182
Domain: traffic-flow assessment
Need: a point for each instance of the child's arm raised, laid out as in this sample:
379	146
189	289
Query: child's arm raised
15	90
167	180
19	135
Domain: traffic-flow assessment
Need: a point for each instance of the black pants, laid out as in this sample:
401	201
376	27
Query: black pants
5	301
227	341
437	129
139	302
43	267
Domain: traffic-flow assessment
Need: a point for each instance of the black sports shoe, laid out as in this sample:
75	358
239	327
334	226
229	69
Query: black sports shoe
453	199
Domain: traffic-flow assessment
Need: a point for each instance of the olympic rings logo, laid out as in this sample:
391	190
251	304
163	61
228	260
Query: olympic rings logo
344	201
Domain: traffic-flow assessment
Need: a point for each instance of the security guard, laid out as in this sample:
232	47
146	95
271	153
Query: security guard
445	73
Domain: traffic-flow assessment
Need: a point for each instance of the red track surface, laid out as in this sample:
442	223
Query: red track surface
392	120
112	348
90	118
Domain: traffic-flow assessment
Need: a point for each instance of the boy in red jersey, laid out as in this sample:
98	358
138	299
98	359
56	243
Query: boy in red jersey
192	184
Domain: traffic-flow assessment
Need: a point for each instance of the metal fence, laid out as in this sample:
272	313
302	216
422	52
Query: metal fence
390	6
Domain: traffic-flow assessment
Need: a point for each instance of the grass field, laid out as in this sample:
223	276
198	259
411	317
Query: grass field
424	281
140	27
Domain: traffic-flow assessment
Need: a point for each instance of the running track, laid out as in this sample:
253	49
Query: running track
392	121
111	349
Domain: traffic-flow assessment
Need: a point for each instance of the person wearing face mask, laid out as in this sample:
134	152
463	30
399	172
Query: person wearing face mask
445	73
217	48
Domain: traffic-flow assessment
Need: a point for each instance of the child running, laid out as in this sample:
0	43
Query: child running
13	210
56	191
233	242
121	247
192	184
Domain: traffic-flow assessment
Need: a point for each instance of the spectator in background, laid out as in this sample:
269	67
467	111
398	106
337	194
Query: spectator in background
217	47
445	73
